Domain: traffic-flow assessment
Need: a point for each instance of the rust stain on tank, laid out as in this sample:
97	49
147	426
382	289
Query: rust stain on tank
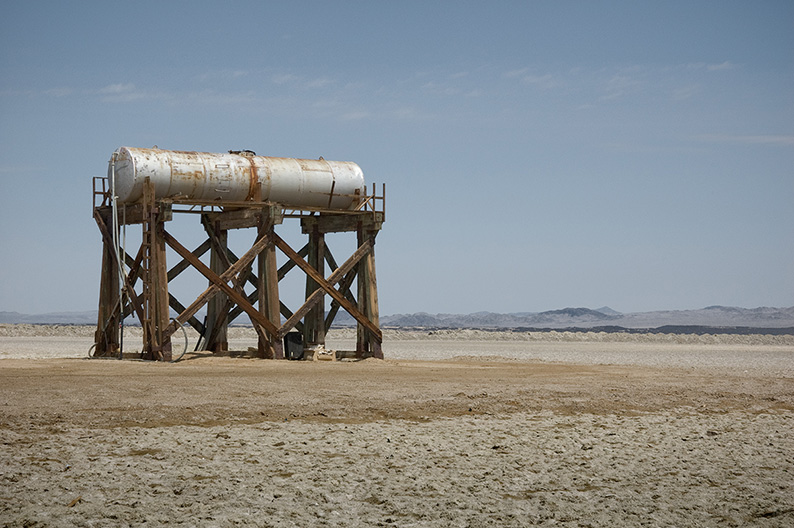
253	181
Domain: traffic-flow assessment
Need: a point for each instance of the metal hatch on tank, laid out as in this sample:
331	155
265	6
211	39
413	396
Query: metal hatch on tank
236	176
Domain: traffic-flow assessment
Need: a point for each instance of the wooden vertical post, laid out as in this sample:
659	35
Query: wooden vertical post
156	345
107	333
314	323
267	288
217	316
162	315
366	343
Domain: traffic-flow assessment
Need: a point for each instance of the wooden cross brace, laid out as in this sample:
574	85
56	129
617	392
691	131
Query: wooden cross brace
220	282
327	286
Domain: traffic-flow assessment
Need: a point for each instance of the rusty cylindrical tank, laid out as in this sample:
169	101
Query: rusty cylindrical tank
237	176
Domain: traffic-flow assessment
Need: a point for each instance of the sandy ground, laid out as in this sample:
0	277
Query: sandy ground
497	430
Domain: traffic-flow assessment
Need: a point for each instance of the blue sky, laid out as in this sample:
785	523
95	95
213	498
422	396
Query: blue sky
537	155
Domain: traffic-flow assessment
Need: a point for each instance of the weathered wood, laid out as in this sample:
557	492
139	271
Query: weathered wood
344	287
371	307
267	290
220	282
347	305
184	264
157	344
227	275
106	336
314	322
179	308
292	319
215	338
236	312
368	342
238	219
132	214
135	302
222	321
287	314
325	223
287	266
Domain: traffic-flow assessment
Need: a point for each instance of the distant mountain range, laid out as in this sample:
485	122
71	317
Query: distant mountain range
569	318
605	317
63	318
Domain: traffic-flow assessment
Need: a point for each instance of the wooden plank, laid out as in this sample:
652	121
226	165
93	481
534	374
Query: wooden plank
283	270
220	329
344	287
324	285
371	306
313	299
184	264
135	301
134	213
106	336
268	293
217	306
135	271
329	223
366	341
158	277
287	313
179	307
314	320
238	219
220	282
341	222
252	277
236	312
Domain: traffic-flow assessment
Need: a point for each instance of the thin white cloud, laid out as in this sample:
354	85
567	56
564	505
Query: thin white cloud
407	113
121	93
620	85
686	92
215	75
283	78
512	74
60	91
436	88
546	81
320	82
301	82
211	97
528	77
117	88
727	65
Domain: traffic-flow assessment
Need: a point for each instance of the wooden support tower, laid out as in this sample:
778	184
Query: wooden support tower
139	285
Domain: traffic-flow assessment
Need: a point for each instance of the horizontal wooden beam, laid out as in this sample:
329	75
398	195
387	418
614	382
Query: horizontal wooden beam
339	223
130	214
243	218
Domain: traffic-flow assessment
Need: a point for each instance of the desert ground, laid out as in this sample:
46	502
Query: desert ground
454	428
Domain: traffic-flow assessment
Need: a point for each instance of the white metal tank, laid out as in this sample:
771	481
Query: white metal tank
237	176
